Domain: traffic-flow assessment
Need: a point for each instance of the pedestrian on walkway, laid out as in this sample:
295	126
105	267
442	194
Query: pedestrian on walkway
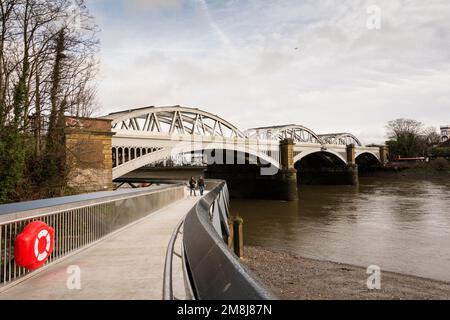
201	185
192	185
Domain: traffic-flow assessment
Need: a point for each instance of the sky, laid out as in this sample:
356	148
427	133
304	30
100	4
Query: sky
330	65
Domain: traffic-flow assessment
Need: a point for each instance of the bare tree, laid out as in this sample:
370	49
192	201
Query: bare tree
399	127
7	21
431	136
405	137
47	69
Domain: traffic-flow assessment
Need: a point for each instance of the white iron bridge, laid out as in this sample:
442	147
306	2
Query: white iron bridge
152	134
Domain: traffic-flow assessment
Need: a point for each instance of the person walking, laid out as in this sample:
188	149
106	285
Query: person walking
201	185
192	185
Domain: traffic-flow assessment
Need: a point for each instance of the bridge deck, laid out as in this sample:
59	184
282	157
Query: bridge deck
127	265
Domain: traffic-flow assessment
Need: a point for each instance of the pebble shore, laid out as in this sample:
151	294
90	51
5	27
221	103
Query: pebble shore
291	277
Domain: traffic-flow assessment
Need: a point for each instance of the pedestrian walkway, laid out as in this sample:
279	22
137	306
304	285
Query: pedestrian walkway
128	265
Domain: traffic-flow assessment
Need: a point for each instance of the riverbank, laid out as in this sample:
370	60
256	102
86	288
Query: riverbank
434	170
291	277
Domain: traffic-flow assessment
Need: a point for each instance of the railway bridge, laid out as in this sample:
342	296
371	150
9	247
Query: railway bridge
277	155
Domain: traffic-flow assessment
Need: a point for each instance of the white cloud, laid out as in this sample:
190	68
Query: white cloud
310	62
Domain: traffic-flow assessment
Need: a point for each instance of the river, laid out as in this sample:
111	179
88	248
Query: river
400	225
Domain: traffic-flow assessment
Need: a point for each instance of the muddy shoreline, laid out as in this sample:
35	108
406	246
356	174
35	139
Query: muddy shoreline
290	277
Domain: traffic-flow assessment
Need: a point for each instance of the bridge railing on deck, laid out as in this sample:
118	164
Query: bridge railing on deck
78	221
211	271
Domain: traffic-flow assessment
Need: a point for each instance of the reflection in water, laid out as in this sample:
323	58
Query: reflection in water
401	226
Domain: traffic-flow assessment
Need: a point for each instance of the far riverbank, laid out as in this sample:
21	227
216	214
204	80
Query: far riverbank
291	277
434	170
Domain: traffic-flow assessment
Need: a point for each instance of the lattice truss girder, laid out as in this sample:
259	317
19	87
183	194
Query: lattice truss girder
188	121
296	132
340	139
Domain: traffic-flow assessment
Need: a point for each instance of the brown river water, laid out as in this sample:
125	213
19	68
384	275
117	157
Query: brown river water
400	225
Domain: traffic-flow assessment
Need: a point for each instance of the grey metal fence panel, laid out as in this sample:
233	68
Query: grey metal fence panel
77	224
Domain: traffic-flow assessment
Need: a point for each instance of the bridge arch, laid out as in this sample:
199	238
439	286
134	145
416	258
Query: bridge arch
159	154
367	159
368	153
171	120
336	155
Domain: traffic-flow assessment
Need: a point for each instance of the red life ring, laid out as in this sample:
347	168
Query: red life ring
34	245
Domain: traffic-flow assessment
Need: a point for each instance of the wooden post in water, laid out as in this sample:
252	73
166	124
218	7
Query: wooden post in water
231	236
238	232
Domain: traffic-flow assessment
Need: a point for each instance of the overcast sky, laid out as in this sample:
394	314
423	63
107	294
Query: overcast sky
271	62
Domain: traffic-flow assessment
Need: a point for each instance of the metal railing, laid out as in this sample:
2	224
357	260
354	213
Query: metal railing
78	221
168	290
210	270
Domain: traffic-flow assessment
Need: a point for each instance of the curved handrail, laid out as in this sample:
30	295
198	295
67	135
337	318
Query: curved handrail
216	273
167	281
210	269
168	267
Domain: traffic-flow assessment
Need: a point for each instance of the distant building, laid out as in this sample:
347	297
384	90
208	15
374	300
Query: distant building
445	133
